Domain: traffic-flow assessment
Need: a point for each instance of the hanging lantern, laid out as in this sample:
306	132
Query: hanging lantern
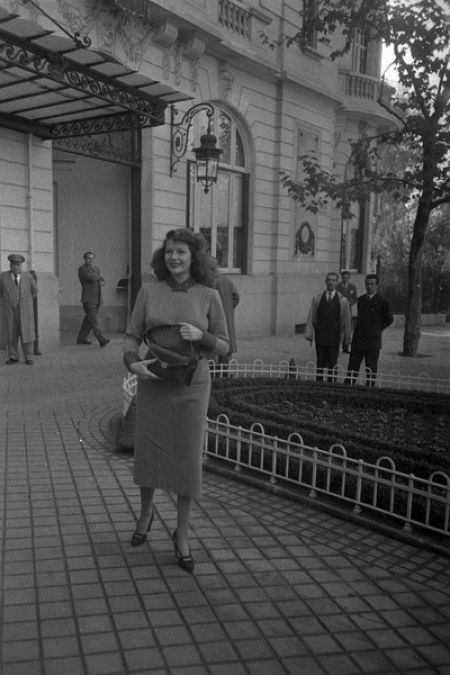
207	157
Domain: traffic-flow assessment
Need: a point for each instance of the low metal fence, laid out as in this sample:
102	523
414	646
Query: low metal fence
288	370
379	488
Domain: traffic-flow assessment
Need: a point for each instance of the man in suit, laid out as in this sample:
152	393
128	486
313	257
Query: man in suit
374	315
91	280
348	290
18	290
230	300
329	325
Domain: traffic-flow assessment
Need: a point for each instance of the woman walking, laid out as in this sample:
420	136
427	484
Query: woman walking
183	313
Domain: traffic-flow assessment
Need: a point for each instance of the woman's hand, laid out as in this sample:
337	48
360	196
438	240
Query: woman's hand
190	333
140	369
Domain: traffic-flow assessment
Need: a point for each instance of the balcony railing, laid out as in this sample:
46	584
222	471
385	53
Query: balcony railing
235	18
365	88
361	87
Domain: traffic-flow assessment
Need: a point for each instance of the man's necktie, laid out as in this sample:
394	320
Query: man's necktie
16	281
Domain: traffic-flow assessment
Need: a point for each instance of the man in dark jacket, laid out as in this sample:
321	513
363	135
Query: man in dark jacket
374	315
91	280
329	325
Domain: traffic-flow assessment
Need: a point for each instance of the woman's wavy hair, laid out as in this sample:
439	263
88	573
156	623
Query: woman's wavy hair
203	265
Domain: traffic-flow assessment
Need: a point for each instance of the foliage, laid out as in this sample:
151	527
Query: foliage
417	31
412	428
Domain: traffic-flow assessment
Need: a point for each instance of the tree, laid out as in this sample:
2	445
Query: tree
418	33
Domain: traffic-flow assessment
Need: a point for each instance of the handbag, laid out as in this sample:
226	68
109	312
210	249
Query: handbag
170	365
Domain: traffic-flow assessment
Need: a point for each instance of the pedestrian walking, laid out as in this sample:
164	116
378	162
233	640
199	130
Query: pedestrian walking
91	280
18	290
181	311
329	325
374	315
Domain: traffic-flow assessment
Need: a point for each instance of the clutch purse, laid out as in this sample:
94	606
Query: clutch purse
171	365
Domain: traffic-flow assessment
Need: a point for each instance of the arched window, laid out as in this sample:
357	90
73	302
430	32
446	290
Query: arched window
222	214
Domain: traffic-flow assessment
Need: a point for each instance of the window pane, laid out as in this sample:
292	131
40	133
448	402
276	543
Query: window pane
223	200
201	217
239	156
237	223
224	137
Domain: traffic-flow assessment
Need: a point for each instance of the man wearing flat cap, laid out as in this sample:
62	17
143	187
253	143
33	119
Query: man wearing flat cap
17	291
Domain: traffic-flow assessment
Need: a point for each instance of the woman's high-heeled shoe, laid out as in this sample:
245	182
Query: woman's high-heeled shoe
186	562
138	538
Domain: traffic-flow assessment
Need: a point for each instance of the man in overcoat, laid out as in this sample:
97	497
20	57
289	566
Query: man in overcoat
17	291
329	325
374	315
91	280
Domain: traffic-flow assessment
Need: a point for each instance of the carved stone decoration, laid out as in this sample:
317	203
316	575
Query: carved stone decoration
106	27
166	58
164	34
78	19
226	82
304	239
194	75
177	58
25	9
134	36
192	47
337	139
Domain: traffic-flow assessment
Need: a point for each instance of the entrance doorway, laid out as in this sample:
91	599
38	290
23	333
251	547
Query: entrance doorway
92	213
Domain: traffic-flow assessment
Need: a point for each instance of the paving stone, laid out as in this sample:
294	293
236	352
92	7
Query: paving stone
278	587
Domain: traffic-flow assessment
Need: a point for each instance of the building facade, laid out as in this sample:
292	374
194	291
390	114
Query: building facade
76	174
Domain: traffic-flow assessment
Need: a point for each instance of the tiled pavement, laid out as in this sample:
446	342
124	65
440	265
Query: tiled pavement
278	587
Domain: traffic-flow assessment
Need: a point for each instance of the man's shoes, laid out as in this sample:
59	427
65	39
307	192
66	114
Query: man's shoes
105	342
84	342
11	362
29	362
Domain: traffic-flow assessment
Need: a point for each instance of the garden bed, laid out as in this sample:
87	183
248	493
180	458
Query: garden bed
412	428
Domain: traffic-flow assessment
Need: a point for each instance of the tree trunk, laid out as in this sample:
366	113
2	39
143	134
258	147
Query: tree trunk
413	314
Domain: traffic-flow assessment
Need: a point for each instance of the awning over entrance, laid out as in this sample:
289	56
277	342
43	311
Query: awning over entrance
53	88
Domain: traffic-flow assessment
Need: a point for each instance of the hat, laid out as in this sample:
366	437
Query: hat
16	258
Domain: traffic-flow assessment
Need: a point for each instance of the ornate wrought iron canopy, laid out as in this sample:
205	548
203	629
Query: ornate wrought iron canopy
54	88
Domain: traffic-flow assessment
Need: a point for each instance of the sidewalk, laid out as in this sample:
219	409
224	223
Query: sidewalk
279	588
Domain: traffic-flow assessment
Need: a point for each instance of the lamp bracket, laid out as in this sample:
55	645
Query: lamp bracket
179	131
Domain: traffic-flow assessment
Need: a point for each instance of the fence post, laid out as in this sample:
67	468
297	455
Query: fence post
357	508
